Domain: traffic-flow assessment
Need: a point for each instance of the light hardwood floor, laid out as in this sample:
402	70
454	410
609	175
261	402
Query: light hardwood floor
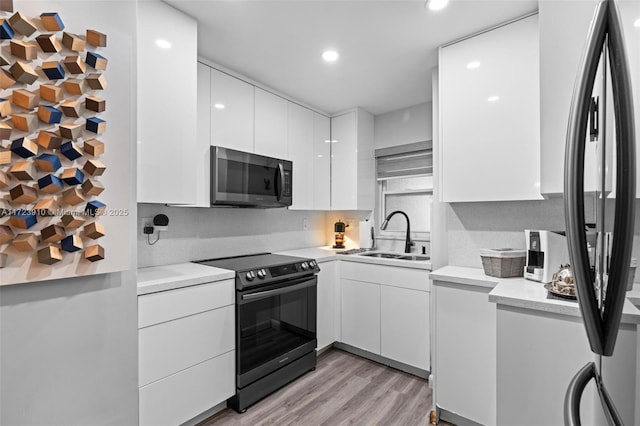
344	389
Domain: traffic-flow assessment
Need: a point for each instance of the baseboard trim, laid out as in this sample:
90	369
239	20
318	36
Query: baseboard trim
205	415
383	360
454	418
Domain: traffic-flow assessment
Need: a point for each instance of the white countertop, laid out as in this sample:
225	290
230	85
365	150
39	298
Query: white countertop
326	253
521	293
169	277
320	254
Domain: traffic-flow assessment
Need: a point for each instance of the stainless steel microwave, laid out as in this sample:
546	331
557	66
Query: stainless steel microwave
249	180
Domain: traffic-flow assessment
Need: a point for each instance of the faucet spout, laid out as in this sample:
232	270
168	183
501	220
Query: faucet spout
407	243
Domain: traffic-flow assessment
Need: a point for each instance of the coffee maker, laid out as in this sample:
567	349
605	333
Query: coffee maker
546	252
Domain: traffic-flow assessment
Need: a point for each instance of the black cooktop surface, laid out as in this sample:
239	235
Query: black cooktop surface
252	262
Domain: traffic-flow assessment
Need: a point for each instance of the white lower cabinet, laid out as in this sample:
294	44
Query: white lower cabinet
404	326
186	354
385	311
326	318
361	315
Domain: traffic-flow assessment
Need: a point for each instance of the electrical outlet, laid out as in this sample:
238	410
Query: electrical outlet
305	224
145	221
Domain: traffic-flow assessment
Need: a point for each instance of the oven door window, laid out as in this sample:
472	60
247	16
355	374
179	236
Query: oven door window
274	321
239	177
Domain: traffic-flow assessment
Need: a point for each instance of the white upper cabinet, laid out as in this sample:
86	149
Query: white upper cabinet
490	116
300	146
321	162
201	161
352	162
167	92
232	117
270	124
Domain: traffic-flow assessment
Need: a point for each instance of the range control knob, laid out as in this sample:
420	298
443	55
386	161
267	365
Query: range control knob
262	273
304	266
312	263
250	276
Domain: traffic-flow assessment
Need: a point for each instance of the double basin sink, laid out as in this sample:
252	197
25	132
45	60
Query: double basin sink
414	257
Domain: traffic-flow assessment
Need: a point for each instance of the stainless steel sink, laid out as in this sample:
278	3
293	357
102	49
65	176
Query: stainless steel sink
385	255
415	257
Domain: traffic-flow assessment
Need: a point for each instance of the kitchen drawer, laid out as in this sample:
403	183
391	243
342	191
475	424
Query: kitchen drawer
184	395
171	304
175	345
416	279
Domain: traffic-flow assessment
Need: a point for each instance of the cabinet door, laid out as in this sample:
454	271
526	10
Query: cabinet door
321	162
361	315
405	326
231	112
490	115
271	124
344	162
201	159
300	146
167	139
327	284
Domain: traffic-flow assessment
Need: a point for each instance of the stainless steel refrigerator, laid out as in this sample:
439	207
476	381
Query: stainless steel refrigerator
601	269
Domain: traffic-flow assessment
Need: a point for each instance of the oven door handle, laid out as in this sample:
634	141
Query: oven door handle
278	291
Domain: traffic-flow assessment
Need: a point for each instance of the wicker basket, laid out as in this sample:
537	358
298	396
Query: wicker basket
503	262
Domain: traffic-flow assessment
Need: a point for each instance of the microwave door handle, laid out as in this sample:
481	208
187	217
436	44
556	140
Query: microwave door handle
280	185
276	292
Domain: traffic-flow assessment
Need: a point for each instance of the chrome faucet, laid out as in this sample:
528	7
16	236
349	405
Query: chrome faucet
407	243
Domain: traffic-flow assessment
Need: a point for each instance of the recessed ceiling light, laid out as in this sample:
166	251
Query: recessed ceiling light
330	55
637	23
163	43
493	98
437	4
472	65
218	106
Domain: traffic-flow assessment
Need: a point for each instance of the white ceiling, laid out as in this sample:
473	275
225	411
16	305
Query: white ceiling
387	48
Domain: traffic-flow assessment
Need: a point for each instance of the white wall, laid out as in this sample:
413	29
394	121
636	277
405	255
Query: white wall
407	125
68	348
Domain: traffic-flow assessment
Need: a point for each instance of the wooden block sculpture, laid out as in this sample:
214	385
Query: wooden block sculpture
24	147
22	24
71	131
71	108
6	32
50	92
3	59
93	147
94	103
50	184
24	50
96	38
48	114
72	176
6	234
92	187
5	155
22	170
94	167
4	182
96	125
5	130
48	163
94	253
70	150
53	70
6	79
72	196
46	207
25	242
94	231
71	243
49	255
23	73
72	42
73	86
49	43
97	81
24	99
95	208
51	21
5	108
97	61
49	140
70	221
23	219
74	64
52	234
25	122
22	194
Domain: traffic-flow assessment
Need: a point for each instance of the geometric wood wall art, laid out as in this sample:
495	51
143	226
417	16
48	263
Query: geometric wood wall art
50	106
